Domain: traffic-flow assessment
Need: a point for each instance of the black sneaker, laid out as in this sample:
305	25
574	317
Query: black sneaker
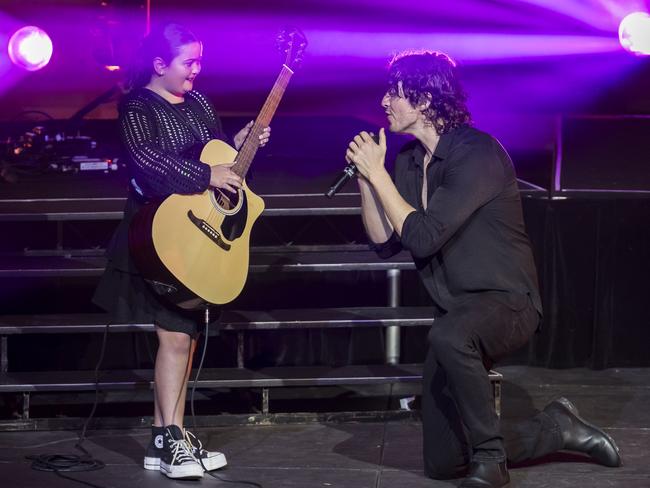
177	460
155	449
210	460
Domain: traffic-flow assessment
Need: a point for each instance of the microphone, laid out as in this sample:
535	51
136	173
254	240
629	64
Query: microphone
349	171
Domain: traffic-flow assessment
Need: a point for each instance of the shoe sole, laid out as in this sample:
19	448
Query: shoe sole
216	462
190	472
571	408
466	484
152	463
213	463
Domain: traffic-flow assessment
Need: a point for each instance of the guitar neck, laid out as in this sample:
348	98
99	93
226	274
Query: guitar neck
252	143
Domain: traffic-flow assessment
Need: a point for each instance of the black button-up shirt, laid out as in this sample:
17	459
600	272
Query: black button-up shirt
471	237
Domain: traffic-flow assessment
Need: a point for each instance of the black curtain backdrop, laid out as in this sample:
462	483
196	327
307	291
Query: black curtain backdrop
593	259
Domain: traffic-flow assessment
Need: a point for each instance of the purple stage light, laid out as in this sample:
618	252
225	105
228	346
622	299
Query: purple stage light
475	47
634	33
30	48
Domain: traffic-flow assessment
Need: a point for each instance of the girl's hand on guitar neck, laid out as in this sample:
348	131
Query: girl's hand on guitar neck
240	137
221	176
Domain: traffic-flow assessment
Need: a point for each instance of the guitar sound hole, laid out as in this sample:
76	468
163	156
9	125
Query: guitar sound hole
226	199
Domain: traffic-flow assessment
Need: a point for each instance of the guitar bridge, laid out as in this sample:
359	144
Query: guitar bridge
208	230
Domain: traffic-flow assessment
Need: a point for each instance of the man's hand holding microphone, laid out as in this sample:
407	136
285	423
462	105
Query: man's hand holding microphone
365	155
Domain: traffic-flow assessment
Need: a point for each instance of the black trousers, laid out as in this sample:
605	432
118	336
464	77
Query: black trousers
458	418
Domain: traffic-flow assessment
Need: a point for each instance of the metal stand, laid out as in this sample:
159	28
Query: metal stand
240	349
25	413
393	332
4	357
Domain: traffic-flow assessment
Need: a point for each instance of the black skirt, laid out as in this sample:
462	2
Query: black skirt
127	297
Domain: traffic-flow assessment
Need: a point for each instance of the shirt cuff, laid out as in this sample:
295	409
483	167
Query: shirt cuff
410	221
387	249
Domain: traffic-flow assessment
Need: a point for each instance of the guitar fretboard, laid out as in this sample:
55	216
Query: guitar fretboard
252	143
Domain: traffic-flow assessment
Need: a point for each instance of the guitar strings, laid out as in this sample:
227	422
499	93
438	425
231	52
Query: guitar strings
221	198
267	111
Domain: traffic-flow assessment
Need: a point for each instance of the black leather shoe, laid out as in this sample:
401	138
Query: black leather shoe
581	436
486	475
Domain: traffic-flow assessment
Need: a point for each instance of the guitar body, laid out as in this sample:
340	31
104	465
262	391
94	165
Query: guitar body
195	248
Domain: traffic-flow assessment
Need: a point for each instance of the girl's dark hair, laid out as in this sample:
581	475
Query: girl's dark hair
430	76
163	42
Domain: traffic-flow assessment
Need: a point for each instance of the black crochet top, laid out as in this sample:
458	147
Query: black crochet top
163	142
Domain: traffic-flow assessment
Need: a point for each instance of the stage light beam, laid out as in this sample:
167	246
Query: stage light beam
634	33
30	48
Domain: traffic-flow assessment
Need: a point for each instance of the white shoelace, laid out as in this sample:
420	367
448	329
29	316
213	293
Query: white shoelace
194	441
182	452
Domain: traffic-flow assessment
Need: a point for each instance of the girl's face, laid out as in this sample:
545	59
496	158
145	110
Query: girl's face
177	78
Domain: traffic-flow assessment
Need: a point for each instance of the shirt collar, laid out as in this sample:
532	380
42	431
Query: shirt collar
442	149
444	144
417	156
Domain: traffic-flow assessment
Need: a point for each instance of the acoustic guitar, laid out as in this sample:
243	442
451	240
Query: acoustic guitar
194	249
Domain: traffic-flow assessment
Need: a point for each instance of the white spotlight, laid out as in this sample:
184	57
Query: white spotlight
30	48
634	33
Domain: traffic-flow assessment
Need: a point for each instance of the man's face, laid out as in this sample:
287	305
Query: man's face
402	116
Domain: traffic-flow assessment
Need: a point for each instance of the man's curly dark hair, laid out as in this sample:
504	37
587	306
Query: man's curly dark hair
430	75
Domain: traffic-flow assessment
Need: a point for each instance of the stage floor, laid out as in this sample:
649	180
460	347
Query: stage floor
379	454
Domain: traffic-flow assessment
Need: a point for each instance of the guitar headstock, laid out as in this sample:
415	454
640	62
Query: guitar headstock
292	43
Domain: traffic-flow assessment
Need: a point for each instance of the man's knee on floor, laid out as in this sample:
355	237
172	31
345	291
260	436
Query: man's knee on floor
443	469
444	458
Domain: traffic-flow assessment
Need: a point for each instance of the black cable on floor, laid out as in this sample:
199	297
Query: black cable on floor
196	379
70	463
82	436
62	463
